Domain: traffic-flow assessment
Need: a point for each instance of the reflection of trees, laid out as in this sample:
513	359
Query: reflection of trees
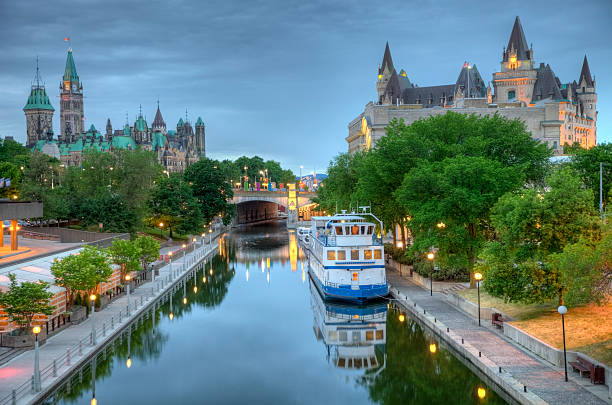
414	375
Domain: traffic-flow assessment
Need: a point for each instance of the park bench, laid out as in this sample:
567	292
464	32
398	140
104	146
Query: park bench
595	372
497	319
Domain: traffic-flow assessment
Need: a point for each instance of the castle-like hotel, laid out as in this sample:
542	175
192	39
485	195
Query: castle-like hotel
176	149
554	113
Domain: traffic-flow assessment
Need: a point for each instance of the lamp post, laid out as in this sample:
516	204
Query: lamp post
128	363
433	348
246	178
170	254
478	277
563	310
202	240
127	279
209	236
431	256
185	292
92	298
36	331
171	314
94	401
161	230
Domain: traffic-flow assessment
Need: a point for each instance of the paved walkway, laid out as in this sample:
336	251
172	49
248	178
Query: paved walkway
17	373
540	377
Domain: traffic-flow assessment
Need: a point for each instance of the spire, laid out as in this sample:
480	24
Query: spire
158	121
38	99
37	77
517	41
70	73
586	73
387	62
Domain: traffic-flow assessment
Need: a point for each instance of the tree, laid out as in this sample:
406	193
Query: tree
81	272
339	187
24	301
125	254
14	152
9	170
173	203
149	250
211	189
530	225
586	163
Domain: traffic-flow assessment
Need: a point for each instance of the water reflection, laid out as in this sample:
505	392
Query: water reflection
354	335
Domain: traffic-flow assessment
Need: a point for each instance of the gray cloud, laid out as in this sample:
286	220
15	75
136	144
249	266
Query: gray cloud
277	78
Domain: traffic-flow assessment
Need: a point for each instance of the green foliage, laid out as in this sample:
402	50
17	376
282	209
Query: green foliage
23	301
125	254
9	170
14	152
531	225
82	272
149	249
340	184
586	163
210	188
173	204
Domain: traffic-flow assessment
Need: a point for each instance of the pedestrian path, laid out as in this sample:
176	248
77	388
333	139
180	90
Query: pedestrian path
64	350
540	378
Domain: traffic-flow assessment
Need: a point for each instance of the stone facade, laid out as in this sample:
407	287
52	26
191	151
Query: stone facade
555	113
176	149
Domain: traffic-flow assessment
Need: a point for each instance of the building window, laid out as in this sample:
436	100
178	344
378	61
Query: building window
511	94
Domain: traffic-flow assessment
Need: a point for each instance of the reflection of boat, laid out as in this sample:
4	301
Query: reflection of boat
354	335
347	257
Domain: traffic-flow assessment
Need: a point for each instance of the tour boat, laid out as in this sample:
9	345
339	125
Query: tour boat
354	335
347	258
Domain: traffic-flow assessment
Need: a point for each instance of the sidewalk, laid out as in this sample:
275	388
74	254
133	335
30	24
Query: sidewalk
540	378
17	373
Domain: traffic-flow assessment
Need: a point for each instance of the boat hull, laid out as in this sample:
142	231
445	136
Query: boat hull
348	293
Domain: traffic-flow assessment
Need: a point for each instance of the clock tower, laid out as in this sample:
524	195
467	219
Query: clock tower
71	103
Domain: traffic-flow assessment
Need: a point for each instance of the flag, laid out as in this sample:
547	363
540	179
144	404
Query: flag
466	65
1	182
7	182
66	39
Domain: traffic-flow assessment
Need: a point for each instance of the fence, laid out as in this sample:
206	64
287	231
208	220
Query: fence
74	236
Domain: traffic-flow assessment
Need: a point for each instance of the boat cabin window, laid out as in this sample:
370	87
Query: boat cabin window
343	336
363	230
367	254
380	334
354	230
331	255
370	335
338	230
354	254
347	230
356	336
377	254
333	335
341	255
370	230
341	362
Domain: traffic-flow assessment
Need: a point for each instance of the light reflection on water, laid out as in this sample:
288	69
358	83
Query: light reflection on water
256	330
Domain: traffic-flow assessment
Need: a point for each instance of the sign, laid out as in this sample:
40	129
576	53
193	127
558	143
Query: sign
292	200
100	225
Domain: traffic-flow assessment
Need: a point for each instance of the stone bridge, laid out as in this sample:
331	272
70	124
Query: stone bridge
261	206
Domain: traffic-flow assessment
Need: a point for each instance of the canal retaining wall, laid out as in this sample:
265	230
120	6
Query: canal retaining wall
486	366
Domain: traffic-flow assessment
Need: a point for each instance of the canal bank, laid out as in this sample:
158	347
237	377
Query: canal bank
68	350
526	378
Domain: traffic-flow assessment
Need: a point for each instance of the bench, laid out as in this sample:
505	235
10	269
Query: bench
497	319
581	365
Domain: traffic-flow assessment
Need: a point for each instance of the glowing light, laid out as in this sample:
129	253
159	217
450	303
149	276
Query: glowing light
268	277
184	246
36	330
431	255
247	275
171	316
400	244
185	300
195	288
169	253
128	363
303	276
268	262
128	277
161	224
402	317
210	272
92	297
355	316
433	348
441	225
204	279
482	393
379	77
94	401
478	276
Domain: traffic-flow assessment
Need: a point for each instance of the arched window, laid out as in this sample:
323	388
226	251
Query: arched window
511	94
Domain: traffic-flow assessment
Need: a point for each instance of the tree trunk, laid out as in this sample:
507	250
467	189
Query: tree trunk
394	236
403	236
170	235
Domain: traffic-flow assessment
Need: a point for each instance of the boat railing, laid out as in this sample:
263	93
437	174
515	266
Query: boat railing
368	317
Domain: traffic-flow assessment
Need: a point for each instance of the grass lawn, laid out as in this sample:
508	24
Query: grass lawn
155	232
588	328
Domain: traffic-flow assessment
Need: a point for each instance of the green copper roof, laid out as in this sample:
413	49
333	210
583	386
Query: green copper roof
70	73
92	128
141	124
158	140
126	130
76	146
123	142
180	123
199	122
38	100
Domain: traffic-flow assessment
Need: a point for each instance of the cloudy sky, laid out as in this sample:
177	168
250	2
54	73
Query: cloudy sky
282	78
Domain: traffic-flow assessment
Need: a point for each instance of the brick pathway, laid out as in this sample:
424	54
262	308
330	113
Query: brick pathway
16	374
540	377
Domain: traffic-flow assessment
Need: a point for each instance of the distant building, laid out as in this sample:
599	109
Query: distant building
176	149
554	113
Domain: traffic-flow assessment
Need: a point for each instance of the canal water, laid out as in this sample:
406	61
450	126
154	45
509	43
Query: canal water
256	331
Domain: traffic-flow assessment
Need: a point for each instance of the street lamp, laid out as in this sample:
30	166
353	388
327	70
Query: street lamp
482	393
402	317
170	255
478	277
171	314
92	298
161	227
431	256
563	310
36	331
128	278
128	363
433	348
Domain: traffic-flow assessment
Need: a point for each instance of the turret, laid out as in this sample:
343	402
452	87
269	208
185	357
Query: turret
586	91
200	137
39	112
517	55
109	130
385	75
71	102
